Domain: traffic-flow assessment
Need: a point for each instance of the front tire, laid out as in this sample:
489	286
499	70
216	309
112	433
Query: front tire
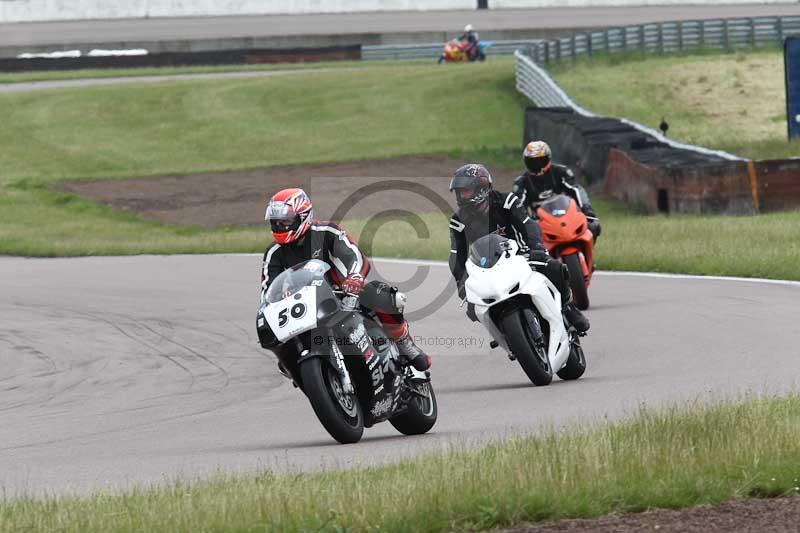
580	293
532	359
576	362
421	413
339	413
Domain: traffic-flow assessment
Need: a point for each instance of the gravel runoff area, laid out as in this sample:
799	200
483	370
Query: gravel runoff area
237	197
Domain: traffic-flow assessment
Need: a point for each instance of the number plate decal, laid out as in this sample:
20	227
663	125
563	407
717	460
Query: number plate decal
293	315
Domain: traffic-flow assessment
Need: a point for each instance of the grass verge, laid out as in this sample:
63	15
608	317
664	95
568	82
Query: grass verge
763	246
223	124
670	458
387	109
728	101
82	74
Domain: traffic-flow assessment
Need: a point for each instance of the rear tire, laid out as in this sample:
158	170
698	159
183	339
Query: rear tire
580	293
339	413
533	360
420	415
576	362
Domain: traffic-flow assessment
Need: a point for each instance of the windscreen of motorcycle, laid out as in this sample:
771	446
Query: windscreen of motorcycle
486	251
291	281
557	205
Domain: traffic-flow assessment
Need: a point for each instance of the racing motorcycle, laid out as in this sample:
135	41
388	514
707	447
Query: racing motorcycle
521	308
455	51
566	235
338	355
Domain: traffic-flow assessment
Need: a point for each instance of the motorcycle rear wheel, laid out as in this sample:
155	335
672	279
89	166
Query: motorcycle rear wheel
420	415
339	413
532	359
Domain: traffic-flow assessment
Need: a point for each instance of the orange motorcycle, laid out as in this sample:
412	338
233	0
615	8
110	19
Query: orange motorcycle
455	51
566	235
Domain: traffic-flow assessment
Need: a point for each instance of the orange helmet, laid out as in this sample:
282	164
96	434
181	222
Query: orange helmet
537	157
289	213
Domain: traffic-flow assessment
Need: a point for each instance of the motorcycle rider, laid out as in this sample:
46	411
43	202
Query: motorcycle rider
543	179
481	211
299	237
470	36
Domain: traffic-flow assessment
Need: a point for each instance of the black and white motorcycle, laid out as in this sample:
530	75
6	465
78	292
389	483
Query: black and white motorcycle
522	311
339	356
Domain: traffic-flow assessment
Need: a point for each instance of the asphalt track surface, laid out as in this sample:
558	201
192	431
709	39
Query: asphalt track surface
121	371
158	29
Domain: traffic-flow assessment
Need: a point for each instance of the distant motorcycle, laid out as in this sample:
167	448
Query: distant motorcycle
455	51
340	358
521	309
566	235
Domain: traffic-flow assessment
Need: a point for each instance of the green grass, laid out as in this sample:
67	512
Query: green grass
764	246
383	110
729	101
50	75
191	126
669	458
469	111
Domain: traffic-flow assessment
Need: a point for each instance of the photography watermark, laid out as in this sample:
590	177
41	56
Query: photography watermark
408	214
426	342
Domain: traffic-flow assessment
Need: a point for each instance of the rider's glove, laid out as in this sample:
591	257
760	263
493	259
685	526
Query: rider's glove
538	258
462	291
353	284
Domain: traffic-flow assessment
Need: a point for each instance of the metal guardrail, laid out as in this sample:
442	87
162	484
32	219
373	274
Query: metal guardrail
668	37
432	50
537	85
659	38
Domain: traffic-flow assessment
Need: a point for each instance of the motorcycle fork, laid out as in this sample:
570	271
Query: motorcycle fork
335	357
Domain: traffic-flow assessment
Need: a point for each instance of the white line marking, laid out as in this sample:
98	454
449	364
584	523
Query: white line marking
621	273
427	262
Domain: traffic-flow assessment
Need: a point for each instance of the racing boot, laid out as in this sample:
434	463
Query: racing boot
405	345
574	316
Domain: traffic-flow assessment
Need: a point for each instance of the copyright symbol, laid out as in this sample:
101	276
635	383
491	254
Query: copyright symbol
318	340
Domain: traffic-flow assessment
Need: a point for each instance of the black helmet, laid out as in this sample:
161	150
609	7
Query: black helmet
472	184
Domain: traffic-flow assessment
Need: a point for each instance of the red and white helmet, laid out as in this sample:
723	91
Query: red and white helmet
289	213
537	156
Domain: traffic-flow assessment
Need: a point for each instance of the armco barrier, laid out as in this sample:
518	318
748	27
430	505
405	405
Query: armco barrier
635	163
636	167
251	55
667	37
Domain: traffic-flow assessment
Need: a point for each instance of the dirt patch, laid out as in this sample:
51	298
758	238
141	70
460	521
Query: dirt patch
239	197
756	516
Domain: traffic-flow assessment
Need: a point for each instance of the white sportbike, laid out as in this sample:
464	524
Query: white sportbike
521	308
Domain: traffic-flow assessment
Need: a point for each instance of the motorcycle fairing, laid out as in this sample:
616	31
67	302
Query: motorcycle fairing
510	277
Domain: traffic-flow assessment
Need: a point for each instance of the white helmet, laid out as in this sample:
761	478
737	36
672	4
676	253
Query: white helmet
468	28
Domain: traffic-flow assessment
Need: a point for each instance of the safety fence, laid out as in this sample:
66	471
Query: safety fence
668	37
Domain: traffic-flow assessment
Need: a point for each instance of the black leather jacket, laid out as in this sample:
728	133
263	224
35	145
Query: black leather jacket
506	217
533	190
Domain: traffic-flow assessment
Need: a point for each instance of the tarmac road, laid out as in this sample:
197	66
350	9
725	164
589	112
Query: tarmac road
119	371
175	29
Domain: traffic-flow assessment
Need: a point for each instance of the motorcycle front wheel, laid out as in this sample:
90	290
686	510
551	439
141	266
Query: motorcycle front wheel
339	412
421	413
532	359
580	293
576	362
